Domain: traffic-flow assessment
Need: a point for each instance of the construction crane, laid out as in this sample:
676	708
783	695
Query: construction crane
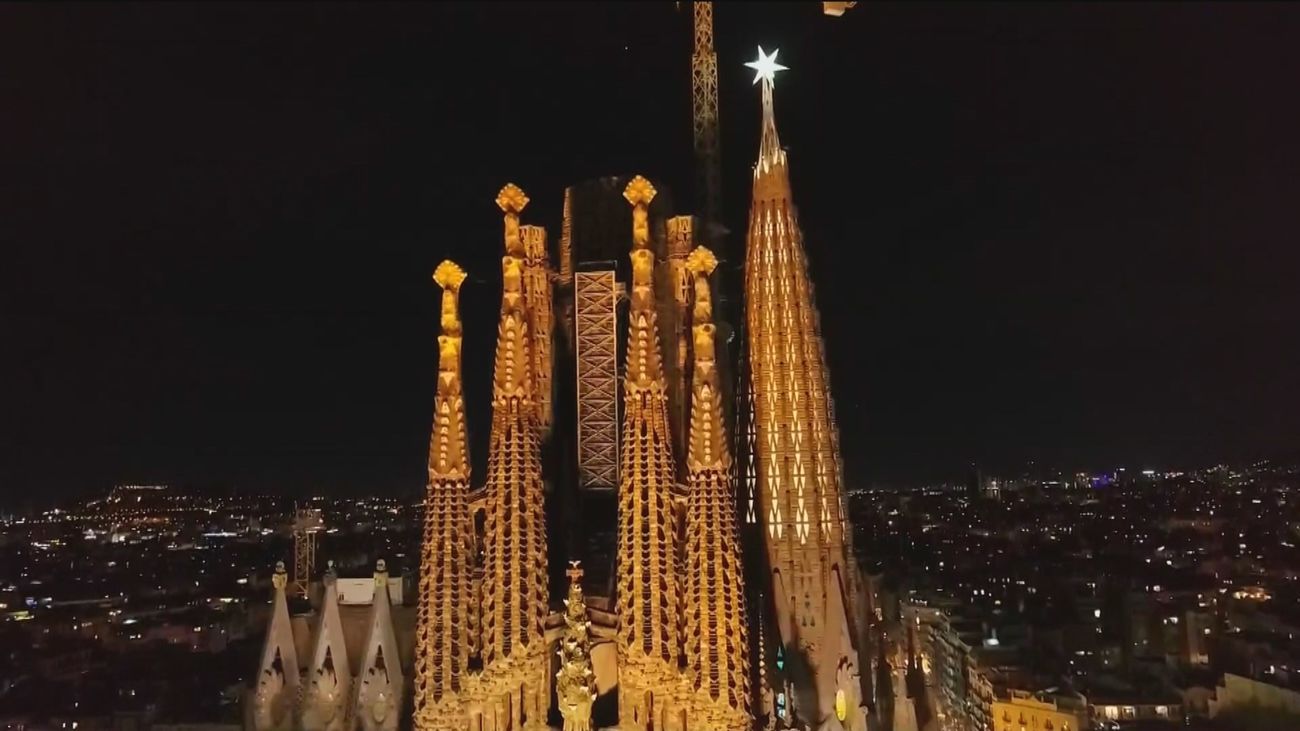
306	524
704	106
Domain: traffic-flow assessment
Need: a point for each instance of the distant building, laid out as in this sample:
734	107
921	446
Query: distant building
1021	710
1235	691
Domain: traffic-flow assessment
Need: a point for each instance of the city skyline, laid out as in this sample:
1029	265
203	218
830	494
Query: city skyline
225	279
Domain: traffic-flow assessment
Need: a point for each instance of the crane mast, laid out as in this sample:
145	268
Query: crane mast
704	105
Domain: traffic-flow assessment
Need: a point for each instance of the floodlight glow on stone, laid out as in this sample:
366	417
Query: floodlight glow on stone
765	66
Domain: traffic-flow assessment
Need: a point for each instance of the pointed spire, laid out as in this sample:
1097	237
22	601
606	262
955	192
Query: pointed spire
575	682
796	442
379	686
644	363
717	642
708	445
771	179
512	360
648	601
441	633
448	453
514	581
329	677
278	676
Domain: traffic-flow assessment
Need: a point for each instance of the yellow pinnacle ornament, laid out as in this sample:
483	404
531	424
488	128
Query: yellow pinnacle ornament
441	642
716	635
650	682
514	679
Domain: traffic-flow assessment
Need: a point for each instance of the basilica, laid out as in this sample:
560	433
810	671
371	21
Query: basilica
659	541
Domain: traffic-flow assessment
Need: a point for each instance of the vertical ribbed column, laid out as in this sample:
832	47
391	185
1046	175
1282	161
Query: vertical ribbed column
648	606
441	630
514	581
541	318
717	640
796	445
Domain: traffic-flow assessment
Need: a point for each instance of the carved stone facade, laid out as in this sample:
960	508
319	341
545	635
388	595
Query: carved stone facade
330	693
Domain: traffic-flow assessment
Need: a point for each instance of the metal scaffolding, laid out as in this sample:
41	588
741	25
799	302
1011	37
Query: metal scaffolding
596	295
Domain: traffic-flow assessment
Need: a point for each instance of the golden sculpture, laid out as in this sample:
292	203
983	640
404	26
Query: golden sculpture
809	552
575	682
442	643
514	684
649	648
716	634
512	201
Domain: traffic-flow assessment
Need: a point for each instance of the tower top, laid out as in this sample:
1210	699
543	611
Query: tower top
765	67
448	445
574	572
770	178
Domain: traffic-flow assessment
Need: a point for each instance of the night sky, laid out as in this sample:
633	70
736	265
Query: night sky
1039	232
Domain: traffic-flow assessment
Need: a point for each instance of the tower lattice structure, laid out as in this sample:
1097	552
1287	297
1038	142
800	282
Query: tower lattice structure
441	639
649	648
812	574
704	108
514	684
716	634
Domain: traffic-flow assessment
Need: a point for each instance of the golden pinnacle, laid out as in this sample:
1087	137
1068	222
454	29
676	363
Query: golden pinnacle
511	199
449	275
701	261
639	191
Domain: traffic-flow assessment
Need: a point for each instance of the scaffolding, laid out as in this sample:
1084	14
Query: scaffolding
596	295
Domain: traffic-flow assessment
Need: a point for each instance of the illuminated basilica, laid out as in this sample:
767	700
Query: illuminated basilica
660	540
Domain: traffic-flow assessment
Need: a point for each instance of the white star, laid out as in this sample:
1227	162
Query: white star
765	66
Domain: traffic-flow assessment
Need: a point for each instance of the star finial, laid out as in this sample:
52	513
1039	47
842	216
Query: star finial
765	66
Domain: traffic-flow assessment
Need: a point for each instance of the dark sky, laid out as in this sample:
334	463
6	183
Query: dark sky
1047	232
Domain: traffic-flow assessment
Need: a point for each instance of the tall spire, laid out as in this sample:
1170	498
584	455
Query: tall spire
514	581
716	635
441	641
379	686
809	552
647	592
329	677
276	696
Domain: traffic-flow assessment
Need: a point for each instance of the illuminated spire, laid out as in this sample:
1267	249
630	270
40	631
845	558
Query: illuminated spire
716	635
277	678
441	641
809	553
514	580
771	158
329	677
379	686
647	592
